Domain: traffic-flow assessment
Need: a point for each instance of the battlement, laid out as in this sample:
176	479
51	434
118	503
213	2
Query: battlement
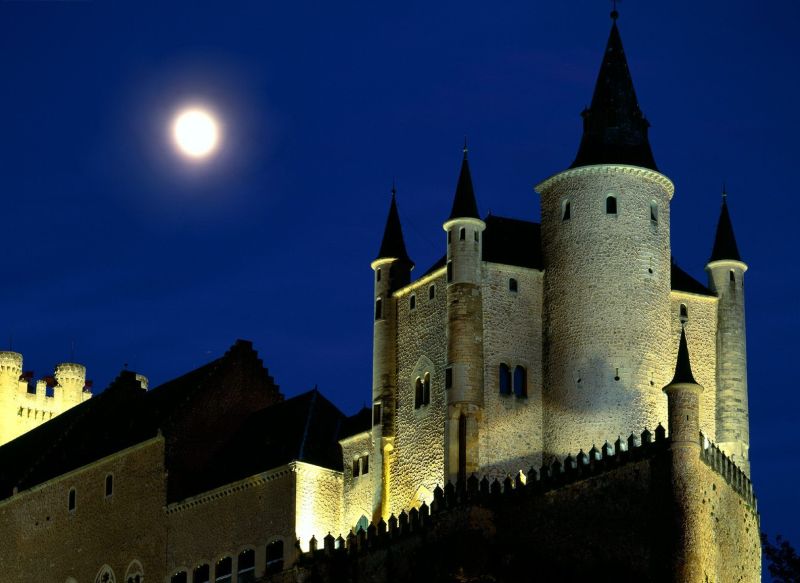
10	364
716	459
70	375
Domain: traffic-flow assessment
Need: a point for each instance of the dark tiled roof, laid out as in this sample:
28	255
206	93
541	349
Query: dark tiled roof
682	281
464	203
725	241
683	368
198	413
614	128
512	242
358	423
393	244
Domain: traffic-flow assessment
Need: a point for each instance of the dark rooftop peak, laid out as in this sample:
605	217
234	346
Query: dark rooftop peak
725	241
464	203
393	244
614	128
126	380
683	368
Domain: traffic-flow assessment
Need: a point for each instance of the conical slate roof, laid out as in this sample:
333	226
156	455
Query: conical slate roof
725	242
614	128
464	204
683	368
393	244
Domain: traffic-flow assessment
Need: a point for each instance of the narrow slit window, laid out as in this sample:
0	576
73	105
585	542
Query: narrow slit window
513	285
653	212
462	234
365	465
684	313
448	378
426	389
378	274
611	205
378	309
449	271
565	210
432	292
71	500
376	414
520	382
504	379
449	236
477	236
356	468
412	302
733	276
418	393
109	485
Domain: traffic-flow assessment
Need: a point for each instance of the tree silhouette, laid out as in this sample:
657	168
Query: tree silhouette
783	562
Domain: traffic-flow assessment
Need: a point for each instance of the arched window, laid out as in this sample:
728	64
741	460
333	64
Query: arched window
426	389
378	309
71	499
105	575
505	379
135	573
654	211
412	302
109	485
223	573
431	292
462	234
565	210
179	577
418	393
362	524
513	285
246	567
201	574
684	313
275	556
611	205
520	382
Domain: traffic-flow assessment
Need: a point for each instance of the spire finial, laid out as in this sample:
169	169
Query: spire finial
465	148
394	187
614	13
724	190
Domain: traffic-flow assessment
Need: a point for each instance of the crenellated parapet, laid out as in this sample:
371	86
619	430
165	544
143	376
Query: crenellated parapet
722	464
10	364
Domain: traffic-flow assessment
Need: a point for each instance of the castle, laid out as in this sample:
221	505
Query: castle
556	397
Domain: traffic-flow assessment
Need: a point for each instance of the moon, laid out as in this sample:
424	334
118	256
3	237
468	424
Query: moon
196	133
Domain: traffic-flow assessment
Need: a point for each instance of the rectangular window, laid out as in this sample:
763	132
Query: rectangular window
448	378
431	294
462	234
449	271
376	414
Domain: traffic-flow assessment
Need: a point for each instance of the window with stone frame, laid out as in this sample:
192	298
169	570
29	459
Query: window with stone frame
246	567
275	556
223	573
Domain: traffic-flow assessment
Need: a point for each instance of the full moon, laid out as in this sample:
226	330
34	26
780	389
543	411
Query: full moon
196	133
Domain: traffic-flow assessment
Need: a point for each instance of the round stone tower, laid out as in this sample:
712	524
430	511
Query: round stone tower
70	379
10	371
606	248
464	372
392	270
726	278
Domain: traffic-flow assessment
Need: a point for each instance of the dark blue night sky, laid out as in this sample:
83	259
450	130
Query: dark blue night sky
113	244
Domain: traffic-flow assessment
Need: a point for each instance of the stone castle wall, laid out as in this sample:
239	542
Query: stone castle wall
607	332
418	461
511	429
357	501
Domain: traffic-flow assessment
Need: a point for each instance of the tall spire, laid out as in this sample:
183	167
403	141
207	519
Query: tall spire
393	244
683	368
464	204
614	128
725	241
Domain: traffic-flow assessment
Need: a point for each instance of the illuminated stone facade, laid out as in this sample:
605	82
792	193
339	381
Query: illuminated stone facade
520	370
25	403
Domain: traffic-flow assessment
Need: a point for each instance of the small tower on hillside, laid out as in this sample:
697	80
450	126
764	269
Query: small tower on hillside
726	278
606	249
464	372
392	270
692	520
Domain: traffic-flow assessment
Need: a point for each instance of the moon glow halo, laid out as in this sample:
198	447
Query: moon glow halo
196	133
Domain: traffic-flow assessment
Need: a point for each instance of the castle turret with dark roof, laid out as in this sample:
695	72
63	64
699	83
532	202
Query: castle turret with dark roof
726	279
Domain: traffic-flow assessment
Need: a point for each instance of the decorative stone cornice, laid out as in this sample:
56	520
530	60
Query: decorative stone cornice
638	171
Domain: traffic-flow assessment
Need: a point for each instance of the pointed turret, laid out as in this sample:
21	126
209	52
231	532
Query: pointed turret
614	128
725	247
393	245
683	368
464	204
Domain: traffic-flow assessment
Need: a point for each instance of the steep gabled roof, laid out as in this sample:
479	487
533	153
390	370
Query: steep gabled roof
682	281
464	203
614	128
725	241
